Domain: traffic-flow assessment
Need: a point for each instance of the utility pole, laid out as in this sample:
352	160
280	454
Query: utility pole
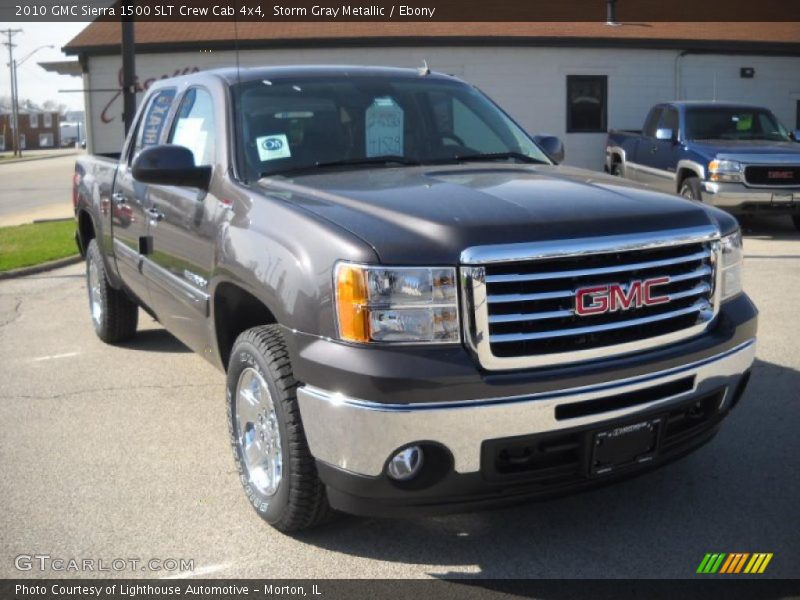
128	70
10	33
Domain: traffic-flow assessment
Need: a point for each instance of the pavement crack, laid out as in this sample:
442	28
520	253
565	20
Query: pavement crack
108	389
14	313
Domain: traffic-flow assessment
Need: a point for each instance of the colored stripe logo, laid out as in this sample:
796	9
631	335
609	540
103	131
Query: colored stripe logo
735	562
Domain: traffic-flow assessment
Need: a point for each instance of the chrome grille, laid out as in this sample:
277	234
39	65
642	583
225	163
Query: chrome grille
523	297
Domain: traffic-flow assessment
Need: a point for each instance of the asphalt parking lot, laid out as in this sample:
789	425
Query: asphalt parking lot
122	452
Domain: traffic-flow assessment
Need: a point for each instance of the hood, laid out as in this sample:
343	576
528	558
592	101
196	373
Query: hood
750	151
428	215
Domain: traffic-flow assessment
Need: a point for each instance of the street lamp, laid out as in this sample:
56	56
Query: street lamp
15	93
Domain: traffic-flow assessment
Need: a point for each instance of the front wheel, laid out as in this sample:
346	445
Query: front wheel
691	189
275	466
114	315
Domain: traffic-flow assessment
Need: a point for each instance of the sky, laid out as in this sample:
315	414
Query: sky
35	83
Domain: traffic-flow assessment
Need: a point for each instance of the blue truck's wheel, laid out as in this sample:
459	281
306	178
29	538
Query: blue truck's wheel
275	466
114	315
691	189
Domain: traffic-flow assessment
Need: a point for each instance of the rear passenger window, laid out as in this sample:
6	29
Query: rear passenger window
154	119
194	126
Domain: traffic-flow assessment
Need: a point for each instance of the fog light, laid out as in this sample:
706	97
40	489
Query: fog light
405	464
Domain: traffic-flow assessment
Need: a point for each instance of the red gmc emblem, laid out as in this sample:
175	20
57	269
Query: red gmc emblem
601	299
780	174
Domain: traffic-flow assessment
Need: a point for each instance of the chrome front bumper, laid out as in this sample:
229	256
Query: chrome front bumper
359	435
734	196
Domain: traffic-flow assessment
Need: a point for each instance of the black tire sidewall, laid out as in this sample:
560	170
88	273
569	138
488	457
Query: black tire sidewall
693	184
246	354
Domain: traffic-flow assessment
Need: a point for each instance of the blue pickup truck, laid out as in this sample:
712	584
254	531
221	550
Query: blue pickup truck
734	156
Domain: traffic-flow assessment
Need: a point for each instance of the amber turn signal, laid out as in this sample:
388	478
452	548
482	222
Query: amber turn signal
351	303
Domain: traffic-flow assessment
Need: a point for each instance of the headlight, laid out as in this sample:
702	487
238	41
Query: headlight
724	170
731	265
408	304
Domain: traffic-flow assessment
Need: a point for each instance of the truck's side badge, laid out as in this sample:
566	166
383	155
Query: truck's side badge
271	147
145	244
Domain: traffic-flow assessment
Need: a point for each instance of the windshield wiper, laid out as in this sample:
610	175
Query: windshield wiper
350	162
499	156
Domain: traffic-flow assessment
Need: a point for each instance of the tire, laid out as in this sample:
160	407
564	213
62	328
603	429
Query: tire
114	315
691	189
616	169
796	221
278	474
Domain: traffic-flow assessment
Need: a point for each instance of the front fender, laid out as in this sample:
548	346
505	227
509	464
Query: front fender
284	256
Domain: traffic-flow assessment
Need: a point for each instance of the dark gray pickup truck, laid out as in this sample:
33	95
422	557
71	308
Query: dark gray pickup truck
417	309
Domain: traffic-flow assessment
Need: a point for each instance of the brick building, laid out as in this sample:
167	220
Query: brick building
37	130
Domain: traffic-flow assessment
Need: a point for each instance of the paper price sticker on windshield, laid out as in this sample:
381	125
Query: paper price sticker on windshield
271	147
384	126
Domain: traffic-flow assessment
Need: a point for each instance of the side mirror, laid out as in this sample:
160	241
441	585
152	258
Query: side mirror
665	134
552	146
795	135
169	164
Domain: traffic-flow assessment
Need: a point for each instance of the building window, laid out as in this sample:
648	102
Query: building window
586	103
47	120
33	120
45	140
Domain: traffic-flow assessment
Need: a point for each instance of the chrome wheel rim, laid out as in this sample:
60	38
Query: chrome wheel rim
687	193
258	432
95	293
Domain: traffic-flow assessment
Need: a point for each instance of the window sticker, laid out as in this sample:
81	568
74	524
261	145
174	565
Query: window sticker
384	128
273	146
297	114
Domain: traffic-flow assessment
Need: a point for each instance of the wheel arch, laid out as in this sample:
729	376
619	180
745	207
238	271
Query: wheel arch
686	169
235	309
86	230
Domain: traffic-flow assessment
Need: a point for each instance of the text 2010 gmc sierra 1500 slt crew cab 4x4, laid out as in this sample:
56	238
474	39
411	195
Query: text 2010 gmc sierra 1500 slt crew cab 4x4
418	311
733	156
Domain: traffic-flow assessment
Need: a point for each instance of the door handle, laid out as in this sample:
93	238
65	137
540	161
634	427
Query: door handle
654	149
118	198
154	214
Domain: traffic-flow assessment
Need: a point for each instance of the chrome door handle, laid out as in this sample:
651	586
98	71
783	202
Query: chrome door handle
118	198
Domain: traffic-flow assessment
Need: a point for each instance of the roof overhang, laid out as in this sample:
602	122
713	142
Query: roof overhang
63	67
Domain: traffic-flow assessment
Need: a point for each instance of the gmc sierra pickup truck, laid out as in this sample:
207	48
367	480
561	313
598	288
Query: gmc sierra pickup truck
418	310
734	156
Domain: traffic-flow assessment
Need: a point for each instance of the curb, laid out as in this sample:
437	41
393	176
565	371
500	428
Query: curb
41	268
11	161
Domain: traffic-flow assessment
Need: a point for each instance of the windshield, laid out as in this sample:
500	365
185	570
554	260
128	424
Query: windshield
285	126
730	123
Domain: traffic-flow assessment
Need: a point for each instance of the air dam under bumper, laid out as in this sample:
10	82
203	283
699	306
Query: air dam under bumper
352	439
